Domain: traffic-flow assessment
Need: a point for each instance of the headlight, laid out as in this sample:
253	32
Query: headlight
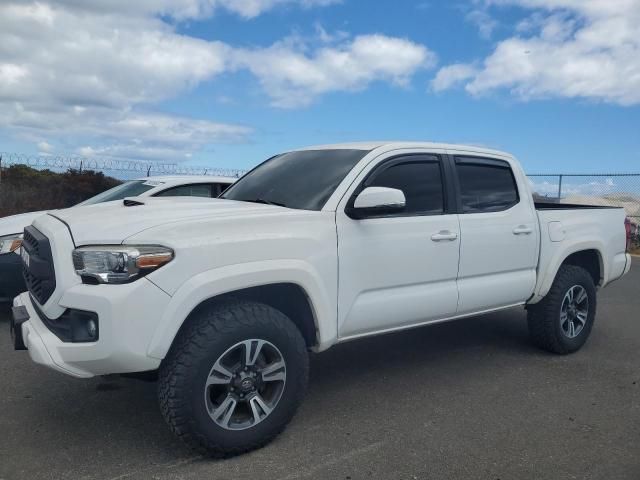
10	243
119	263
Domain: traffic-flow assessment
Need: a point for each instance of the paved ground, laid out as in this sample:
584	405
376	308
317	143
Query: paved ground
466	400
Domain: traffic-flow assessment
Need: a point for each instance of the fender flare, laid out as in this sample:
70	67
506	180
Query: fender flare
554	263
218	281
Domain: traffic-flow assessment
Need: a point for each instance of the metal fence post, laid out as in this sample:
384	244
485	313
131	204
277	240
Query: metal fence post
560	187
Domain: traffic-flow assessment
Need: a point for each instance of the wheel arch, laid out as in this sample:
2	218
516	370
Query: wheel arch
291	287
588	256
590	260
288	298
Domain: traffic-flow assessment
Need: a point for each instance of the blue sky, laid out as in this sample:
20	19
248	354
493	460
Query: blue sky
228	83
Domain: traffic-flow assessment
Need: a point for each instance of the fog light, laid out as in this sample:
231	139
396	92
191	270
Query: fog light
92	328
74	326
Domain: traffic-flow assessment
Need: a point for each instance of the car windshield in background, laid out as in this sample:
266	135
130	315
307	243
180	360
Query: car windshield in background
302	180
127	189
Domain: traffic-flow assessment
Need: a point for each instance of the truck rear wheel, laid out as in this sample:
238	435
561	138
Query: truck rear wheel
234	378
562	321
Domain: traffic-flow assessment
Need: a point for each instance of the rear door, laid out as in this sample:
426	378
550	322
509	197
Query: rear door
399	270
499	238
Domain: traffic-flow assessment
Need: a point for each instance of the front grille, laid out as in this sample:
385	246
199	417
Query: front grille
30	242
39	274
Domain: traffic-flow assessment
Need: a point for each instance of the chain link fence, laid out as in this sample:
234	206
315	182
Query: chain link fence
607	189
119	168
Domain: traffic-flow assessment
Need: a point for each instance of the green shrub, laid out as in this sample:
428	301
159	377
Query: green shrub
24	189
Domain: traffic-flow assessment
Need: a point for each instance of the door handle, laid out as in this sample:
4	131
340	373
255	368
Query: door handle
522	230
444	236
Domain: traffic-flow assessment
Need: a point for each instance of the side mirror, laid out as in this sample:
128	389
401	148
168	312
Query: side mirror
374	201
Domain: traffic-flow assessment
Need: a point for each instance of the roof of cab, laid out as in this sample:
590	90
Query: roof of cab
391	145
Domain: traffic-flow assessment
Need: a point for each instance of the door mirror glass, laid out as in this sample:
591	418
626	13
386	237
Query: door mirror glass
374	201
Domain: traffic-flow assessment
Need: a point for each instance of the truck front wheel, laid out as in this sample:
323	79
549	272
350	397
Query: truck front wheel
562	321
233	378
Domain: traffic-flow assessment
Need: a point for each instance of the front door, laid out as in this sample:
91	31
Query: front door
399	270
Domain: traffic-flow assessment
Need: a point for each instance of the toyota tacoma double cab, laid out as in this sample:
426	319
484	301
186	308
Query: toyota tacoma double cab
225	298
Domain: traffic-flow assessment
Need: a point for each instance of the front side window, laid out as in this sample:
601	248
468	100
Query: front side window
127	189
486	186
195	190
420	181
302	179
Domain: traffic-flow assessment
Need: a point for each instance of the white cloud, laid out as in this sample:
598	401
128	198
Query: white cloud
567	48
45	147
452	75
189	9
292	77
80	76
85	75
253	8
483	20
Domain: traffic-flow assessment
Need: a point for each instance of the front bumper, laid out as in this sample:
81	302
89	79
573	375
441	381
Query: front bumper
127	315
11	281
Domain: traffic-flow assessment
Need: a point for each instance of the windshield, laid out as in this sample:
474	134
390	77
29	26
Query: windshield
127	189
303	179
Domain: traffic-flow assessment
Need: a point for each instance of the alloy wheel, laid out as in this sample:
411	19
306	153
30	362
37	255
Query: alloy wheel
245	384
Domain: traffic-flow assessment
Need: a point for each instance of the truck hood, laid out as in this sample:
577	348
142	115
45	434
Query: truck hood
113	222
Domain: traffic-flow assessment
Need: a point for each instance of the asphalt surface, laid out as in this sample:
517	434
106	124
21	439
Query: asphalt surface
470	399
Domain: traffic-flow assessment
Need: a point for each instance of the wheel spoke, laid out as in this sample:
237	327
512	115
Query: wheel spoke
225	410
581	316
571	329
274	372
259	408
582	295
219	375
570	295
252	349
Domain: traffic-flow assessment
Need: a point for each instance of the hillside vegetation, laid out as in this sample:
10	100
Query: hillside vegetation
24	189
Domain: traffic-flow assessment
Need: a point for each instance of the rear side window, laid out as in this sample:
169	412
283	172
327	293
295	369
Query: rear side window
420	181
195	190
486	185
218	188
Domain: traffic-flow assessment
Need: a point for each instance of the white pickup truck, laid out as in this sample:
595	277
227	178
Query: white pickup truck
226	297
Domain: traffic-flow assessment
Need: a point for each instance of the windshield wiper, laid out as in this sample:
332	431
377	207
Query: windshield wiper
266	202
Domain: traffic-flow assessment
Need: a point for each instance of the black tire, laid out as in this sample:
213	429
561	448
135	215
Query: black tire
200	343
545	328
